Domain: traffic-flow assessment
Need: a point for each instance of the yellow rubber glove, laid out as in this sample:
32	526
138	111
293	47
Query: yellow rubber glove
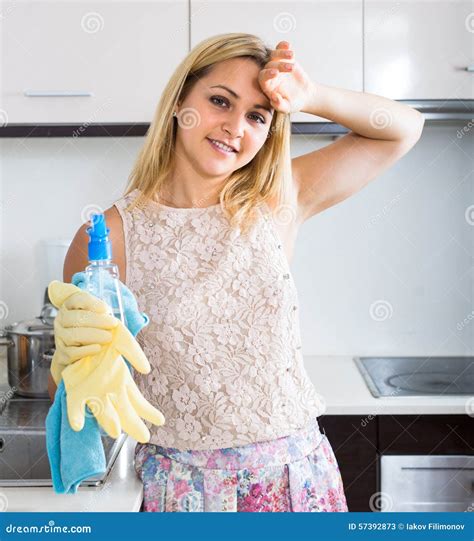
81	327
103	380
104	383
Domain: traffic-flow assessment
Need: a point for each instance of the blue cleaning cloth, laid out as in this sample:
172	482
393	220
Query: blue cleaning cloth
75	456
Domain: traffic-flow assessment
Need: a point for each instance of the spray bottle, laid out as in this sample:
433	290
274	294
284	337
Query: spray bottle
102	275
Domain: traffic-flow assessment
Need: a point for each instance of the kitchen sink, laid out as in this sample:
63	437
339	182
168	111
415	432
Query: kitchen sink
23	456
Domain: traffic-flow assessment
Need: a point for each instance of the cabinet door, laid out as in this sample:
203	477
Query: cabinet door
88	62
426	434
354	442
325	35
419	49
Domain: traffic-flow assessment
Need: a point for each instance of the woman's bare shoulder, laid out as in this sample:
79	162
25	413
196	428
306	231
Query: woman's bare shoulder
117	238
77	256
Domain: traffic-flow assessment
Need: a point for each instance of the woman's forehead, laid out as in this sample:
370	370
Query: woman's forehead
239	78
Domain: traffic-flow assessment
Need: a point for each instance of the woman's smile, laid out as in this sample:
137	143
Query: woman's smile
219	148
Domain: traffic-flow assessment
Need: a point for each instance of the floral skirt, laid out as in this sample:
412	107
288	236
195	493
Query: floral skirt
294	473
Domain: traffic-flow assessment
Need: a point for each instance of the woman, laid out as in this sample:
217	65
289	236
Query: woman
203	236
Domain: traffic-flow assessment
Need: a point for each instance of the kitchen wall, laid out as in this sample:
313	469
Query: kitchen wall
388	271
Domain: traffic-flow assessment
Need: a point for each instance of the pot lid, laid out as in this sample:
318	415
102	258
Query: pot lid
30	327
43	324
48	313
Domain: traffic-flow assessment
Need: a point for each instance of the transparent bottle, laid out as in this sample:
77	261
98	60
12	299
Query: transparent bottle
102	275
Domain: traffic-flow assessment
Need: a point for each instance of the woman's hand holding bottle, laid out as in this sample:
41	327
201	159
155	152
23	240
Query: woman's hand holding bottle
81	328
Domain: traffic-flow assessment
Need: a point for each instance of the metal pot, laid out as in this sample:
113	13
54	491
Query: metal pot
31	347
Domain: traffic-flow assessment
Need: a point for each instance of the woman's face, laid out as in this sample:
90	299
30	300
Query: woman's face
238	115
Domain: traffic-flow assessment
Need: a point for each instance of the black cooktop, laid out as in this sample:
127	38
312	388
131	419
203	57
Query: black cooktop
417	376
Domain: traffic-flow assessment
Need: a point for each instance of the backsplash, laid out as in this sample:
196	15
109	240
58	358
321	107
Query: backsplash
386	272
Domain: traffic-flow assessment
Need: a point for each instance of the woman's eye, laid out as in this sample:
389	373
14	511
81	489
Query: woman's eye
259	118
217	100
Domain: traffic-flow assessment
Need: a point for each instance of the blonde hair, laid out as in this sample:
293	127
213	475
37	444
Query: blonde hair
267	177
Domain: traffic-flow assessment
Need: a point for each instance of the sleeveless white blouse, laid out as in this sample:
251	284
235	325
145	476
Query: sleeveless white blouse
223	339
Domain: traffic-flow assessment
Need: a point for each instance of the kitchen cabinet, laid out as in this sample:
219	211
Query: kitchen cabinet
419	49
353	439
426	434
359	442
427	462
326	36
95	62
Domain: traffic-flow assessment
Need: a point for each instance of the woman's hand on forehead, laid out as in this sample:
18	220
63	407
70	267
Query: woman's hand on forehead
284	81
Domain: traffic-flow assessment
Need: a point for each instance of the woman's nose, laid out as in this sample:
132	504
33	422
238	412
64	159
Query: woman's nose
234	126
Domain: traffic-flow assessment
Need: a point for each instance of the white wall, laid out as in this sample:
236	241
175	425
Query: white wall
403	245
389	270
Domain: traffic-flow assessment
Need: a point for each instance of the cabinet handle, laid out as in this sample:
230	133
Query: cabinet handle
470	68
61	93
434	468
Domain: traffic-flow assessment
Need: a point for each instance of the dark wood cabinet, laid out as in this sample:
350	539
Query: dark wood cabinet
353	439
426	434
358	441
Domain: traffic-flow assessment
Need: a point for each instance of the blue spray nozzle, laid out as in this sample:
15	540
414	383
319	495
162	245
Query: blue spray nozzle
99	245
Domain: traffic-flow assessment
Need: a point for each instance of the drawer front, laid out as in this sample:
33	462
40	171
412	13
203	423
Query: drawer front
426	482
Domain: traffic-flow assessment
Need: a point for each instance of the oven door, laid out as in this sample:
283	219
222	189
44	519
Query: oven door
427	483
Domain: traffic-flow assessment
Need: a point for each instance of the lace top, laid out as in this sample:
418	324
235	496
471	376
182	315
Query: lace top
223	338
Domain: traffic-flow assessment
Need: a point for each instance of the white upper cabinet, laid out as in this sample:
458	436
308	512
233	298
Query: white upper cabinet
325	35
101	61
88	62
419	49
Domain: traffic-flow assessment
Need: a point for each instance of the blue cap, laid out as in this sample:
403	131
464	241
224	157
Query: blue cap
99	244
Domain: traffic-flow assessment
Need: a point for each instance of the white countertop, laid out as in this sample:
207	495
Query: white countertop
336	378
